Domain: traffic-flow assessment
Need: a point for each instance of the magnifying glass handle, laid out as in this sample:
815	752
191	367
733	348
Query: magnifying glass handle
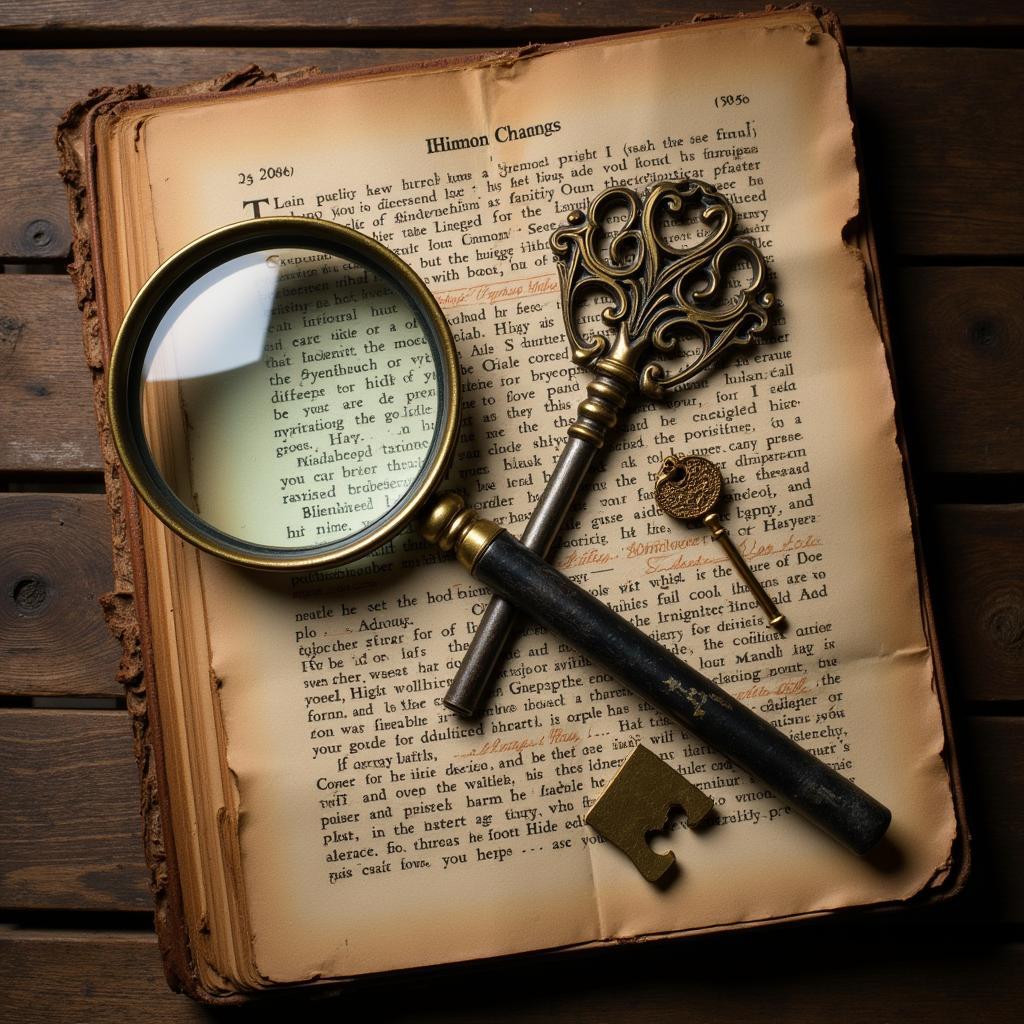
819	792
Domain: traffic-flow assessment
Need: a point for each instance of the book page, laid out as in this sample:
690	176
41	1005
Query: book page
377	831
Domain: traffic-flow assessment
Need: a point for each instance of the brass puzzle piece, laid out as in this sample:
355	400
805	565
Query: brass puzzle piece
637	802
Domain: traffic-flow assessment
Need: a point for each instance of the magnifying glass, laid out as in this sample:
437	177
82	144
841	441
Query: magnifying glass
284	394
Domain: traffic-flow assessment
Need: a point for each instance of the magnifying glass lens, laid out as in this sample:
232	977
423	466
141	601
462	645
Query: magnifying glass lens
291	398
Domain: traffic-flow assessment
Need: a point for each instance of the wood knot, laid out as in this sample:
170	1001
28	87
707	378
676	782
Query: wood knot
29	594
1005	624
39	234
11	330
985	334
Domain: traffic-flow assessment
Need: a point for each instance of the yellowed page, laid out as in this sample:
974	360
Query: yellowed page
802	427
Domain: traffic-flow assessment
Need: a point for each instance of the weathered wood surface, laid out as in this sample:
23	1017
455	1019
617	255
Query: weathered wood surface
829	973
980	553
74	976
958	339
47	423
994	771
37	86
70	832
950	170
927	189
539	19
54	565
55	561
942	144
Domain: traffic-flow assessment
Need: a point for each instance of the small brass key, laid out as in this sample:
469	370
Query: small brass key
688	488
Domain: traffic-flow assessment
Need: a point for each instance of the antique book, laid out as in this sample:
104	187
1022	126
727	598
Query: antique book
312	812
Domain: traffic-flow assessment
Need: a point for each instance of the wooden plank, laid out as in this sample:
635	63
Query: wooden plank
70	833
942	154
919	109
463	16
100	977
957	334
993	758
54	561
54	565
802	976
958	337
980	560
46	408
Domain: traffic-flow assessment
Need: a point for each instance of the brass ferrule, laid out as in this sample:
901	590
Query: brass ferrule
449	524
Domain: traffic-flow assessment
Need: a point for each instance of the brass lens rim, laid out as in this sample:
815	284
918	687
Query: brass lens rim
124	377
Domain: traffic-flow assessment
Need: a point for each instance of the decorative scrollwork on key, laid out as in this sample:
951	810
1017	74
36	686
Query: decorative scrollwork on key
659	295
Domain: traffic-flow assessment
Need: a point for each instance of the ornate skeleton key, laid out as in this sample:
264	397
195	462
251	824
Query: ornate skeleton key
659	298
689	487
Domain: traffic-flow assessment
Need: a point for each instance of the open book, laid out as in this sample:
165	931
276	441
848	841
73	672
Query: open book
313	812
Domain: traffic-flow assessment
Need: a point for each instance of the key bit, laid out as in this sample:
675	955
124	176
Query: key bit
637	802
689	487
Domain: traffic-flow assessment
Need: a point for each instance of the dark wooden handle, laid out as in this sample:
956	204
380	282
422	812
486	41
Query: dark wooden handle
819	792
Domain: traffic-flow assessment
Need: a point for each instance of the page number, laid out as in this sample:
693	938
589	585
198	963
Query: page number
737	99
265	174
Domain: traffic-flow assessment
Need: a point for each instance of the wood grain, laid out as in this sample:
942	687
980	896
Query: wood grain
833	973
46	410
459	17
980	554
70	833
67	977
942	153
37	86
958	337
993	758
54	565
924	141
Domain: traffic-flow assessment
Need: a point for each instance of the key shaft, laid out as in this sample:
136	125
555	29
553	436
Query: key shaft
768	606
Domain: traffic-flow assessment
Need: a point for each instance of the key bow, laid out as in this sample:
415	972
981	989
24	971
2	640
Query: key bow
660	294
687	486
